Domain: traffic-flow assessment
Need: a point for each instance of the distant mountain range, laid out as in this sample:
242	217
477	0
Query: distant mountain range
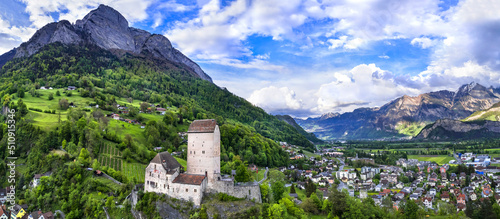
404	116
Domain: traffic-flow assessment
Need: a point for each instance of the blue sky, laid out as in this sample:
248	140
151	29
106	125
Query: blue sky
306	57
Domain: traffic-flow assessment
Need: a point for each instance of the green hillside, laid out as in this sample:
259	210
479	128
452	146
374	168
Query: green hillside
491	114
64	132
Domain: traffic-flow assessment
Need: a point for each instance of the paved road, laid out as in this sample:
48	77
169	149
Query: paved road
265	176
341	184
457	158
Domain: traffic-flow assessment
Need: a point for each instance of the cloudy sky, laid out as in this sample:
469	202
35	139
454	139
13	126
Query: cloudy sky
306	57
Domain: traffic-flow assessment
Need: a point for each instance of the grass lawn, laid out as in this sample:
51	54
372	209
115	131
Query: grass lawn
439	159
109	183
260	175
182	162
21	166
309	154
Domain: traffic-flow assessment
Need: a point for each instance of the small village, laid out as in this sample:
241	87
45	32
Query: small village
469	178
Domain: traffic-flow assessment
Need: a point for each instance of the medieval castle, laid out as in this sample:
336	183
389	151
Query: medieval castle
163	174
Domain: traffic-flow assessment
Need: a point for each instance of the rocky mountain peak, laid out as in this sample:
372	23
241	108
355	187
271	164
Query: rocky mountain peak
104	13
329	115
107	28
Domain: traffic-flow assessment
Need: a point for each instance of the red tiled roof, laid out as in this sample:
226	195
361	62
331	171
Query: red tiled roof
203	126
189	179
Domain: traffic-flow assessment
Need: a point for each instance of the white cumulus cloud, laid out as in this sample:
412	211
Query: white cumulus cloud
275	100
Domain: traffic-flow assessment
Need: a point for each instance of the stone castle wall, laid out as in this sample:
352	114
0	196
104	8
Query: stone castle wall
188	192
249	191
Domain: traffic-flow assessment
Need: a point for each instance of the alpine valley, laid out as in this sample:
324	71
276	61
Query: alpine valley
405	116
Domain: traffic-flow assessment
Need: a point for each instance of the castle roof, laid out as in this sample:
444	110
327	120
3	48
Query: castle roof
166	160
192	179
203	126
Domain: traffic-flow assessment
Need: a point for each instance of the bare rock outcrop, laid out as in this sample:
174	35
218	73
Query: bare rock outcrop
108	29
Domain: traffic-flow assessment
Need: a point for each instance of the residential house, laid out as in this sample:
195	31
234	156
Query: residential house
463	176
48	215
377	199
351	192
445	196
461	199
407	190
444	177
473	196
4	214
3	195
427	202
363	194
400	185
461	207
18	211
71	88
395	205
414	197
399	196
316	178
35	215
432	192
487	192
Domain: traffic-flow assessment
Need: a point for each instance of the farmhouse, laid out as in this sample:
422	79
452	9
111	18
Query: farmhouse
164	174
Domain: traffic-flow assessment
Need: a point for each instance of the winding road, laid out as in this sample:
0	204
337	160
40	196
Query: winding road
341	184
265	176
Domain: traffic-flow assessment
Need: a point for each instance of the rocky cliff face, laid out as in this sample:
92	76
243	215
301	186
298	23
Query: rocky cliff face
370	123
445	129
108	29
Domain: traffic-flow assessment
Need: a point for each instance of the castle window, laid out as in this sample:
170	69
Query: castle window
194	152
249	193
186	190
164	185
168	186
149	173
190	152
194	190
203	152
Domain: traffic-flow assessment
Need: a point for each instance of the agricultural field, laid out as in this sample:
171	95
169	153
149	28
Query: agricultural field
135	171
439	159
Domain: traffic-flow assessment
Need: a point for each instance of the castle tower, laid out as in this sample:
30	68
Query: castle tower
203	155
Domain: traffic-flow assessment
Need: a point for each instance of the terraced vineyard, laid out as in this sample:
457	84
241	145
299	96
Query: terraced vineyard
110	156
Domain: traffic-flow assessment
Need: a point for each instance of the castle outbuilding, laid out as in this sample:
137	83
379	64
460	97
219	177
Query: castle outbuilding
163	174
